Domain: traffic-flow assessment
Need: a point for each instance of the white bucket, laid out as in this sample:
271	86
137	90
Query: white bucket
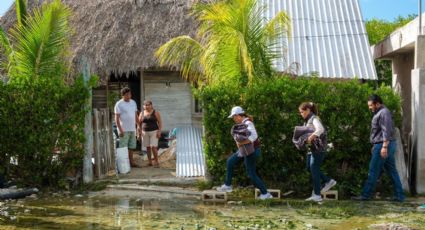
123	163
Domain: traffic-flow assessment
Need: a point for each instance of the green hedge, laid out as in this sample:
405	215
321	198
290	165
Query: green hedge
42	127
274	105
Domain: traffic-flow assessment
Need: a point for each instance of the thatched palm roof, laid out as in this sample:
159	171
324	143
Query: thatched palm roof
121	35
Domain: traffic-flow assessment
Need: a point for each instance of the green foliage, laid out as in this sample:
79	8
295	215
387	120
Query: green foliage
43	129
274	105
233	43
113	97
202	185
40	47
41	117
384	72
5	49
377	30
21	12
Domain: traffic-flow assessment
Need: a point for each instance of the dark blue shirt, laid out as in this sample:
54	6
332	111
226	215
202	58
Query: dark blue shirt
382	126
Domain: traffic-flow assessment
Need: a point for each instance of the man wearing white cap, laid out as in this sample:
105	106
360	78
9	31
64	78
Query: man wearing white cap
239	117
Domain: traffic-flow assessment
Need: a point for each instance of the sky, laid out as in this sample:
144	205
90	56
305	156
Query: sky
380	9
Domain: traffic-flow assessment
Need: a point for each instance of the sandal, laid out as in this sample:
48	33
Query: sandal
150	164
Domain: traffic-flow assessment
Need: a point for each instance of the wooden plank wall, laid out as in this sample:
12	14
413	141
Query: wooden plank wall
104	154
101	94
99	97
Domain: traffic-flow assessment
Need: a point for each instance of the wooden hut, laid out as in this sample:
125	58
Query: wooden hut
119	38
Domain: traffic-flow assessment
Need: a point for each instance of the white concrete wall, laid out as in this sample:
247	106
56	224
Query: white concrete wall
172	96
400	40
418	126
173	101
402	65
418	112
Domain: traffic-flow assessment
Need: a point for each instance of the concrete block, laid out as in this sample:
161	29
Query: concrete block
330	195
275	193
214	196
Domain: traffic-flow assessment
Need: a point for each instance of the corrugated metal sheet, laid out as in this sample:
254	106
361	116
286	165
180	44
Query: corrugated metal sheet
190	160
328	37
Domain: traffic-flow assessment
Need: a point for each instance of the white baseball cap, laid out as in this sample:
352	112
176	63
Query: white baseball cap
235	111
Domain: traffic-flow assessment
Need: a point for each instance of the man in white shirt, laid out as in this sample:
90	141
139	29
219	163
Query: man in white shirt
126	120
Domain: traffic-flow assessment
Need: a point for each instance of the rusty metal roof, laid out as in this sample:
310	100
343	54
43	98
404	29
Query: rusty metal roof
328	37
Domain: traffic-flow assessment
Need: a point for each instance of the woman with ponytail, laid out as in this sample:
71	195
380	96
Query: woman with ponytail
309	112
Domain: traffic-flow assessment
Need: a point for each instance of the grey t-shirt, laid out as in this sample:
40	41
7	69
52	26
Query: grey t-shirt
382	126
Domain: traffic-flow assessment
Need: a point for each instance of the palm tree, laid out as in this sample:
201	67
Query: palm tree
37	44
234	43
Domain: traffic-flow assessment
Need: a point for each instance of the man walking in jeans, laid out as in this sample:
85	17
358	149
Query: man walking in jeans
384	146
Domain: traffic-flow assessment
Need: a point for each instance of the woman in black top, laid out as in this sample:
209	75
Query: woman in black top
151	125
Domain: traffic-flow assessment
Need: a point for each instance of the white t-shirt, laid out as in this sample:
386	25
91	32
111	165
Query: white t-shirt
127	112
251	128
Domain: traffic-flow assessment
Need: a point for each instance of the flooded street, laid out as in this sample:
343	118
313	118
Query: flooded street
100	212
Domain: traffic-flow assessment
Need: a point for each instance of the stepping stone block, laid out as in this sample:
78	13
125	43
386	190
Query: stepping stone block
330	195
275	193
214	196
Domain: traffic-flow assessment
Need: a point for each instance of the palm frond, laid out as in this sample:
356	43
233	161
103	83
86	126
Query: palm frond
279	25
221	60
7	50
5	45
185	53
21	12
233	41
41	45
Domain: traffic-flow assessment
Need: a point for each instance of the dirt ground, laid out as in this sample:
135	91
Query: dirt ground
167	165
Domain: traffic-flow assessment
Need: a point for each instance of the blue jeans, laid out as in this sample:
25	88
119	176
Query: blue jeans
375	167
314	161
250	165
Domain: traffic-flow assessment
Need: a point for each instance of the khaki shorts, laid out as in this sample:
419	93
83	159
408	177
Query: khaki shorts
128	140
150	139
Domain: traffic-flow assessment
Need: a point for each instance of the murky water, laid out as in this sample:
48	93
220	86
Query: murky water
125	213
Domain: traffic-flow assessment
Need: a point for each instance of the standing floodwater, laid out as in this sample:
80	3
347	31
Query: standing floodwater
129	213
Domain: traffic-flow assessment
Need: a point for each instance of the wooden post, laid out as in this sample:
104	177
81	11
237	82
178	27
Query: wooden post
109	141
97	143
142	99
88	126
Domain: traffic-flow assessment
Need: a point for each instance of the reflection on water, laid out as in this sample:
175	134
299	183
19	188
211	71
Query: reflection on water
119	213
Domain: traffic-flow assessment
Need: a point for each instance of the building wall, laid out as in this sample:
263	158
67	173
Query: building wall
171	96
402	65
418	111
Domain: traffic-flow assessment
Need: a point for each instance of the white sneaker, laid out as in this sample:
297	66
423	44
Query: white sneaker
314	197
225	188
265	196
328	185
